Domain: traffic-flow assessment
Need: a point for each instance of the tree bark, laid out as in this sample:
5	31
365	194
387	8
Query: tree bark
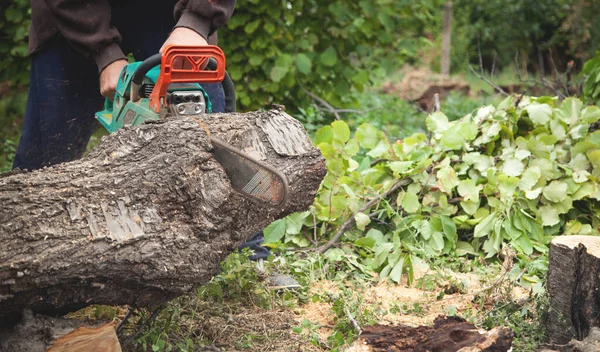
448	334
573	287
446	38
146	216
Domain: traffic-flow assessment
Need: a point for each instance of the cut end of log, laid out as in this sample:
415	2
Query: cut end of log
101	339
591	243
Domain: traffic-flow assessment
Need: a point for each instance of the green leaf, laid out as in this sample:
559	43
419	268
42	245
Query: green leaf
436	241
556	191
513	167
365	242
341	131
396	273
530	178
470	207
410	202
277	73
382	147
437	122
400	167
362	220
449	228
484	227
525	244
594	157
447	179
329	57
571	107
367	136
469	190
452	139
549	215
335	254
539	113
376	235
252	26
464	248
274	231
381	253
324	135
303	63
294	221
590	114
352	148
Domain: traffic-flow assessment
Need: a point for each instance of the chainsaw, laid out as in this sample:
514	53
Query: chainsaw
169	84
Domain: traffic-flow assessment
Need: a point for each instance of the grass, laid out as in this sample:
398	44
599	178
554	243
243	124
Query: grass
237	312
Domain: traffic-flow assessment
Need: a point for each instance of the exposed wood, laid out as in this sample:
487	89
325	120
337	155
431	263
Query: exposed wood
573	287
448	334
39	333
101	339
446	38
146	216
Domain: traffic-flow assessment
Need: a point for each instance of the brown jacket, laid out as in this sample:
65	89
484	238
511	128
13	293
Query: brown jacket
86	24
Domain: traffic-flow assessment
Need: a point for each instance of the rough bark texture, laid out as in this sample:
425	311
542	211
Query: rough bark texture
448	334
145	216
573	287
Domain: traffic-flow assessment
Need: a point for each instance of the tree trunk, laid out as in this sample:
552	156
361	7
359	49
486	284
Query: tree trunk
446	38
146	216
573	287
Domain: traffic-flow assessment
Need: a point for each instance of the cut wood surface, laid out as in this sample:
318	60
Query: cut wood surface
146	216
573	287
40	333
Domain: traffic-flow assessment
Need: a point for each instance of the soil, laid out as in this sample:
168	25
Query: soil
420	85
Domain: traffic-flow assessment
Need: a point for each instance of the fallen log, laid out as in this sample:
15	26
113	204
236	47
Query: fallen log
573	288
146	216
448	334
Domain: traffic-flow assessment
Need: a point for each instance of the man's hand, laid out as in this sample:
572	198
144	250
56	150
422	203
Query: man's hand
184	36
109	77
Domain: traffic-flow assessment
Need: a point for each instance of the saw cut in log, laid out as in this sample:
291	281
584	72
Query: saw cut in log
146	216
573	287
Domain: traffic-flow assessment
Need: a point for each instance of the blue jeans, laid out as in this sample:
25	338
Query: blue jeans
64	91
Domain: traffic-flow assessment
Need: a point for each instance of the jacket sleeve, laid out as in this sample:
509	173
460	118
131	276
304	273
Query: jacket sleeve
204	16
87	26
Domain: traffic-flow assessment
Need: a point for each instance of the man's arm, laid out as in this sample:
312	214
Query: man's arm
86	25
203	16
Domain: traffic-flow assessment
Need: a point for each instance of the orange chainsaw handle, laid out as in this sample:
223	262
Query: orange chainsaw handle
180	64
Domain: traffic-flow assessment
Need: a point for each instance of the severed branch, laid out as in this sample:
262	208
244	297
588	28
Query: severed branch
486	80
352	321
351	222
481	74
328	107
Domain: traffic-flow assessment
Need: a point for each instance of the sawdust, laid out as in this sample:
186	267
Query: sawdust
404	304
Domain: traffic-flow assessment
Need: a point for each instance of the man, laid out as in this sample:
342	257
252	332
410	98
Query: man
77	51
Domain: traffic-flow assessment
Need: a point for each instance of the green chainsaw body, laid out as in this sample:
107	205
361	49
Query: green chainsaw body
122	111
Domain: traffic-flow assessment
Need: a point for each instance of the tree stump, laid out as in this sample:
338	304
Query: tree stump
146	216
573	287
